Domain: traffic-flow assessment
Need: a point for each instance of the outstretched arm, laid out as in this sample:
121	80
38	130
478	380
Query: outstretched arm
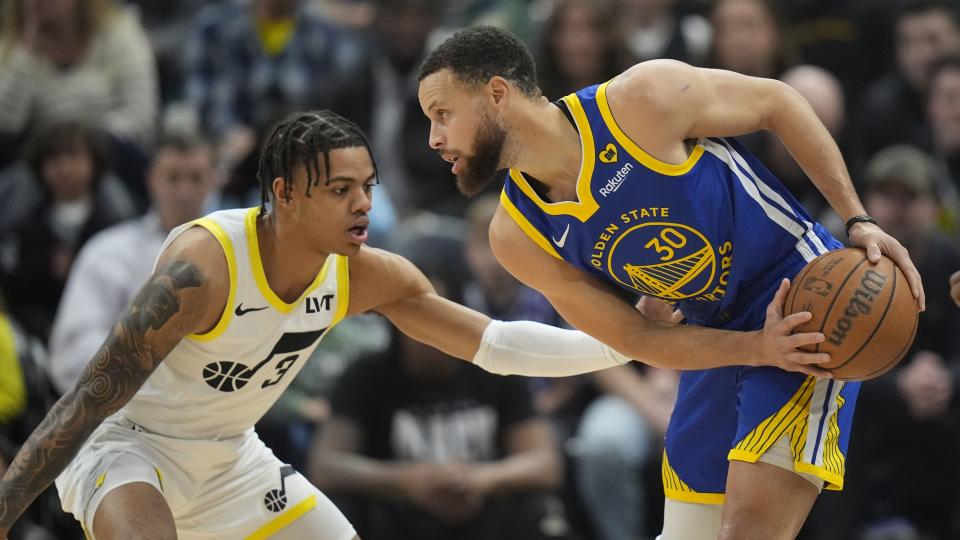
174	302
685	102
394	287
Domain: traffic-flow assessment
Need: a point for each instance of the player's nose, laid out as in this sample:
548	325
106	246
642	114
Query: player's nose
436	138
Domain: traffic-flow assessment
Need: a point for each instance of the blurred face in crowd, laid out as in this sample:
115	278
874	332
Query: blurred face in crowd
921	39
49	12
404	27
68	174
580	40
906	214
180	180
745	37
944	110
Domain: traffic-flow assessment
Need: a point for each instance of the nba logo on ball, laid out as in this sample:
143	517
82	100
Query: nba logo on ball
866	312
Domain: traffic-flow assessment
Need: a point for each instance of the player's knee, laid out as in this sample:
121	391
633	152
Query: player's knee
751	520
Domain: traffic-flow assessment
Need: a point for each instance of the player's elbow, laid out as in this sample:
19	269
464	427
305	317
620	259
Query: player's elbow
777	103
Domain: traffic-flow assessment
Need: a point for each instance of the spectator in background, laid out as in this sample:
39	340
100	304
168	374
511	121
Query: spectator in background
892	110
654	29
115	263
901	194
445	450
166	24
382	100
77	197
78	60
748	38
249	63
943	112
579	45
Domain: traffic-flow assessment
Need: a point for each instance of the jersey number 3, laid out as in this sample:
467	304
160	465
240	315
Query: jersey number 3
227	376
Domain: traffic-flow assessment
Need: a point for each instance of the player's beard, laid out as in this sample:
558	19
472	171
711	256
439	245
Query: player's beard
480	169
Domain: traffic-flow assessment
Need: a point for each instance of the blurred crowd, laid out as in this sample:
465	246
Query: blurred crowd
121	119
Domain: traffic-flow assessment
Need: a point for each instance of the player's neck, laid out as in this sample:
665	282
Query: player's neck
547	147
289	265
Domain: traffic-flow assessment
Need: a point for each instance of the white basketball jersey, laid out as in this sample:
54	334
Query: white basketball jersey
218	384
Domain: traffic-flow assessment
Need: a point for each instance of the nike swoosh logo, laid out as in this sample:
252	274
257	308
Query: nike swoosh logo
240	311
563	239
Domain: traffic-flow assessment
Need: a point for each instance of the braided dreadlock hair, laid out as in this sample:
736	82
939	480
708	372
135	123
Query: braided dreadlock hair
298	140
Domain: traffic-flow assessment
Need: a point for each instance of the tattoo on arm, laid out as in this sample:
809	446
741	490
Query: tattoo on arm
138	342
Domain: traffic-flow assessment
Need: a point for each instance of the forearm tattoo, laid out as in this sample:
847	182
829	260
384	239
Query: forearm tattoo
125	360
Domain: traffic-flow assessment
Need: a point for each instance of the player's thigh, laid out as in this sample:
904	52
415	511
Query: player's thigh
133	511
297	509
764	501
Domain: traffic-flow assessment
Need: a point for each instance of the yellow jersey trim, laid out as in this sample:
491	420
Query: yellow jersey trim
677	489
231	257
585	205
286	518
256	264
644	158
343	289
526	226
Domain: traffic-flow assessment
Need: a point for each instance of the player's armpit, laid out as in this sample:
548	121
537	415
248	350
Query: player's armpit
174	302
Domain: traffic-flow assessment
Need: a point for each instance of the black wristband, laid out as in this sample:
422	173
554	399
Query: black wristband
862	218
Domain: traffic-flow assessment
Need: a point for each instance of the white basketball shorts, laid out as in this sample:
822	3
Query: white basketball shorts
232	488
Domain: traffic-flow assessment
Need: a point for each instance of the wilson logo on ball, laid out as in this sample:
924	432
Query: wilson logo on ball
861	303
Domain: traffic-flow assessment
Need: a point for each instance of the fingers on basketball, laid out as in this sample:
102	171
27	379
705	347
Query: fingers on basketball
866	312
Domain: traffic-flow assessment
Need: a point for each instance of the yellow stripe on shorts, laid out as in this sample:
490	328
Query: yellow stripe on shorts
677	489
286	518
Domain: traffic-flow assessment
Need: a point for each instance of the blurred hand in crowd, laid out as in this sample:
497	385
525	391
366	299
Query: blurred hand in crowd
445	491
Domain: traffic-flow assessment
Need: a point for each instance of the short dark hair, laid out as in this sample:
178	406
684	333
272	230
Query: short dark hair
182	141
919	7
476	54
297	140
53	139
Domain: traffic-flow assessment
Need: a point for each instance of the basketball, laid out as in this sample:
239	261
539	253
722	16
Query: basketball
865	311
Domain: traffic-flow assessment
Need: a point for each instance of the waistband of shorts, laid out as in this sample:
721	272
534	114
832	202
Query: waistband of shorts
126	423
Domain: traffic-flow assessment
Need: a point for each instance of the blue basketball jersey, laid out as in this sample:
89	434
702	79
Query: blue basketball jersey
709	234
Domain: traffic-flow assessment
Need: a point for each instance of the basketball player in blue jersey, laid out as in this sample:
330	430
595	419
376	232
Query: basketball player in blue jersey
156	440
634	187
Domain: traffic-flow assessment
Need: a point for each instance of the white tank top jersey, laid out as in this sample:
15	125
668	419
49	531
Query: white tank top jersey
219	384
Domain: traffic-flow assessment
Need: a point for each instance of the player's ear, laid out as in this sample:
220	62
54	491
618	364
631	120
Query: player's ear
281	197
498	89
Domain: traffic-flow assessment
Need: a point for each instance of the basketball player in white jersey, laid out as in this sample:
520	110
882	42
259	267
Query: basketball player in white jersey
156	440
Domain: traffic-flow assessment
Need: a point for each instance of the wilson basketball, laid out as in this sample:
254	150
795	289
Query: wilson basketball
865	311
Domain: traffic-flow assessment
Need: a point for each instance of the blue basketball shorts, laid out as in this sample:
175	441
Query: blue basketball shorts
739	412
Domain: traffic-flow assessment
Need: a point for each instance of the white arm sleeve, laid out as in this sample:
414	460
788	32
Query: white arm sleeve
537	350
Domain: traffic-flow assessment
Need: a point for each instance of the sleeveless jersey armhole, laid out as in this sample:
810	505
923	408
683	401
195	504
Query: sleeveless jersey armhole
230	256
